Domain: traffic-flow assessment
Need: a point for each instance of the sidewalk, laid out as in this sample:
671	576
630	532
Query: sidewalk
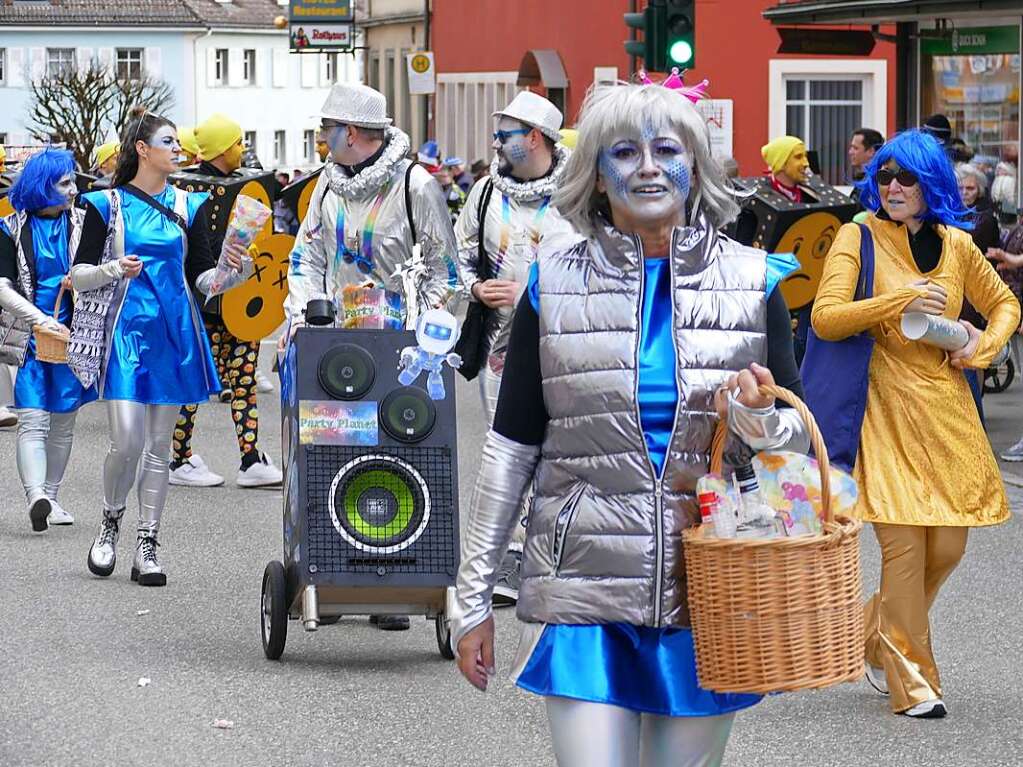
1004	416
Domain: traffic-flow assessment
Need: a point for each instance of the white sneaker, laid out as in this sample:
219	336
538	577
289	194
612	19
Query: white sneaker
263	384
194	473
929	709
8	417
58	515
260	474
877	679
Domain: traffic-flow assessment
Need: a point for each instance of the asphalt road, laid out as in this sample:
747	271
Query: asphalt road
74	648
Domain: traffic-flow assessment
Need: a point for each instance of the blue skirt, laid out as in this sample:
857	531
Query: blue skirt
641	668
47	386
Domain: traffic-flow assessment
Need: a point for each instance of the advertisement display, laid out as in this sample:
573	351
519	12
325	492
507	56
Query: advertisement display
317	25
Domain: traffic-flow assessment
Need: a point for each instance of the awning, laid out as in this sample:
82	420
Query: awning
542	67
883	11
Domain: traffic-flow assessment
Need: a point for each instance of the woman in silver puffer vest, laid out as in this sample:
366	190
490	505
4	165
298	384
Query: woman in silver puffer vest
621	350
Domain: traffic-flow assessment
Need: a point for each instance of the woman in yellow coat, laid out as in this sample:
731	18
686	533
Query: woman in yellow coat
924	466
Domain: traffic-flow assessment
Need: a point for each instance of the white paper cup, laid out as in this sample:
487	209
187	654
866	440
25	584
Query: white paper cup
936	331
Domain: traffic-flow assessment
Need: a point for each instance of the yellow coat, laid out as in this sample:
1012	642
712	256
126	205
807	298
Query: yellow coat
923	458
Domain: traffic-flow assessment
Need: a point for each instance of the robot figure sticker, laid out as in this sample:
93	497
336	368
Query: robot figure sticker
338	423
437	332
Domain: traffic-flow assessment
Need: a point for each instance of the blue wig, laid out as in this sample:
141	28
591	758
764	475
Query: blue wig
34	188
919	152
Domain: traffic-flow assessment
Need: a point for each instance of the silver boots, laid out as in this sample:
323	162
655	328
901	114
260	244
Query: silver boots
146	569
103	554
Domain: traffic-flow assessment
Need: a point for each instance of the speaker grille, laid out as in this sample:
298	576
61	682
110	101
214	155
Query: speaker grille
382	518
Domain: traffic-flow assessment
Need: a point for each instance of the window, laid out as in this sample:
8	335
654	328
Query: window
249	139
59	60
129	64
309	142
3	66
332	68
220	64
249	66
279	147
3	139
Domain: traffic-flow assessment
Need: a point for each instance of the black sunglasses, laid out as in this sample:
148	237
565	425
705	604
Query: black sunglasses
903	176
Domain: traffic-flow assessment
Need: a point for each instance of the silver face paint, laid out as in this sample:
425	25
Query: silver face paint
67	188
649	176
514	153
166	138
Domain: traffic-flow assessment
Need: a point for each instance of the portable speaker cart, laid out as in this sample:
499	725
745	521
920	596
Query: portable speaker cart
370	488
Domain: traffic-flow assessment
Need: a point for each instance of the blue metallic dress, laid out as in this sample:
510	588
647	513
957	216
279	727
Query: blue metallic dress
641	668
158	353
45	385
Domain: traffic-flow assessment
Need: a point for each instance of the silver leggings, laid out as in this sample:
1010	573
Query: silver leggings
138	431
598	735
44	446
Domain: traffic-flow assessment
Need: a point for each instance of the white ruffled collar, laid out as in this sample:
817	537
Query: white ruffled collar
369	180
538	188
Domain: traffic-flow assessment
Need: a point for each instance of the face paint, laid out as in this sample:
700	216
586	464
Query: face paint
233	156
649	178
67	188
166	139
514	152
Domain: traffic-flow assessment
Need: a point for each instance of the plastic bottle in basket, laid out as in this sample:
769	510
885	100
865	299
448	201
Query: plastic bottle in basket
716	510
756	518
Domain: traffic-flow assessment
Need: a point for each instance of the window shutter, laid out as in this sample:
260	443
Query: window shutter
106	58
258	77
83	59
37	63
211	68
16	67
324	70
235	67
153	61
310	67
281	63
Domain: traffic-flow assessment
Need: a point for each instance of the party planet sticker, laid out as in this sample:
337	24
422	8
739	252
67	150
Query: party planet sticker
325	422
420	63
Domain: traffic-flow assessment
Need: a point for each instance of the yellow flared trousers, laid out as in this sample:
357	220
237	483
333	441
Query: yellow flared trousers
915	561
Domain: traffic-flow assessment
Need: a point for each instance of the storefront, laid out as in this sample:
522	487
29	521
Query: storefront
951	58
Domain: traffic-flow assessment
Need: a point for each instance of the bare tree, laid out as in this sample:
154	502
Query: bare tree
79	106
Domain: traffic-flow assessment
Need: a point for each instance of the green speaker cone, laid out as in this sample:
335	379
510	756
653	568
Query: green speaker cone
379	505
379	502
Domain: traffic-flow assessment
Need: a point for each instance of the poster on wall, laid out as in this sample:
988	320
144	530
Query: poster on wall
718	115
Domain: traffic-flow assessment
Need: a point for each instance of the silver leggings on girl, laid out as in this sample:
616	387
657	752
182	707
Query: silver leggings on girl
44	446
138	431
598	735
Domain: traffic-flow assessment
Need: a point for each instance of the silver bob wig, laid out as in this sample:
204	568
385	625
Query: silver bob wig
612	111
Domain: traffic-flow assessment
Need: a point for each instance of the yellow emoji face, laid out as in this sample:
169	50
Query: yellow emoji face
810	240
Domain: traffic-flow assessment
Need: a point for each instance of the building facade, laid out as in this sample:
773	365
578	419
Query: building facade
486	52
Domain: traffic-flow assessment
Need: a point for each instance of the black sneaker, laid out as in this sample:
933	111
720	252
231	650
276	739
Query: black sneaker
506	590
390	622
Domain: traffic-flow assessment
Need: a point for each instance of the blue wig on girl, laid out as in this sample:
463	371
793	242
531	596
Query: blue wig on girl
34	188
919	152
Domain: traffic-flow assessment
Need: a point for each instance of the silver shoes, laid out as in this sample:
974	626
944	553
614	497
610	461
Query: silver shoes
103	554
146	568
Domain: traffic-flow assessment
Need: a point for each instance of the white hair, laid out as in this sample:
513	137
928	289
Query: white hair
611	111
966	169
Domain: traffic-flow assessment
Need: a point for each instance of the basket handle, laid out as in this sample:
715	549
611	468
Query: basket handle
60	297
717	445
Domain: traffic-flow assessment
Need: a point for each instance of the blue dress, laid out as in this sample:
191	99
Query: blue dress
642	668
158	352
45	385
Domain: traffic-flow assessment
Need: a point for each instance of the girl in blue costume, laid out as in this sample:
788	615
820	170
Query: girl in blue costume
137	331
621	353
34	261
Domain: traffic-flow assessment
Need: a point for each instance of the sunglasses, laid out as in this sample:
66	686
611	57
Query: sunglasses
903	176
502	136
363	264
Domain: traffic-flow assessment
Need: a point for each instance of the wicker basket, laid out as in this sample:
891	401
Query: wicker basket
51	345
777	614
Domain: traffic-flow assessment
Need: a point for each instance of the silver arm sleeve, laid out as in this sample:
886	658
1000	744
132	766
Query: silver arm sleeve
505	473
204	281
20	306
85	277
768	428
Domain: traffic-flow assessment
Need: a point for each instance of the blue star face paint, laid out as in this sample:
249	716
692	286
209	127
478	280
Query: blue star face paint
513	153
647	177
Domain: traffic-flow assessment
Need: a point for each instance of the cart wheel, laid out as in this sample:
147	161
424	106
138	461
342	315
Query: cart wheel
998	379
274	617
443	627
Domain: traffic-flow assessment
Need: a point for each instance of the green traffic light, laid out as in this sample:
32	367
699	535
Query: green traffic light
681	52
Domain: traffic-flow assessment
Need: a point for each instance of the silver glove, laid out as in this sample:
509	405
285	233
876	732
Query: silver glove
204	282
20	306
85	277
768	428
504	476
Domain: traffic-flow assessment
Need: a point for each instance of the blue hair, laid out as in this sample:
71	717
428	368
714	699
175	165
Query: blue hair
919	152
34	188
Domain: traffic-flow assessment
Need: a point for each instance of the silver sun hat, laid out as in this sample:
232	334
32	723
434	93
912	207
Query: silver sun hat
537	112
356	104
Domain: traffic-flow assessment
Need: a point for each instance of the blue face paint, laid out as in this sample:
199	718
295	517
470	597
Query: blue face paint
680	176
613	177
648	177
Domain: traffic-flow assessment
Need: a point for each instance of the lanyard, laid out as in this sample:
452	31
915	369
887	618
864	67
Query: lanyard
364	260
506	229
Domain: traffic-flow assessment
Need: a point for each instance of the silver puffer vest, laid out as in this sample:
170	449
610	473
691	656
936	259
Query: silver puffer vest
604	539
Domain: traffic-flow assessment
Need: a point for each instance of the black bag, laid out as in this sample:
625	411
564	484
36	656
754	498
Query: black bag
472	343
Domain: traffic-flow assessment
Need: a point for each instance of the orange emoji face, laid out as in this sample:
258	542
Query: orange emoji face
809	239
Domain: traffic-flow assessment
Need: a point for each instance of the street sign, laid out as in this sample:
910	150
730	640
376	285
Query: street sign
421	73
318	25
825	42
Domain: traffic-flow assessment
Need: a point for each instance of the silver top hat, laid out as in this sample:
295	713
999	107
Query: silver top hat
537	112
356	104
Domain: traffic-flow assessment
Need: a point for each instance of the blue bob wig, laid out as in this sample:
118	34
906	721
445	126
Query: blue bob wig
34	189
920	153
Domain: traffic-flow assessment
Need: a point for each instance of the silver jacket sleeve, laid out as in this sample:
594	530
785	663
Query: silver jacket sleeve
19	306
437	237
505	473
768	428
85	277
467	232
